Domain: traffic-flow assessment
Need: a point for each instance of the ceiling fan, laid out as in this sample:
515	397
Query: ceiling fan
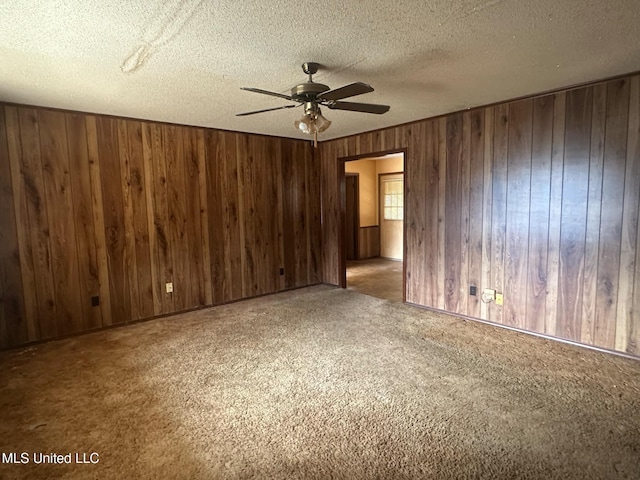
311	95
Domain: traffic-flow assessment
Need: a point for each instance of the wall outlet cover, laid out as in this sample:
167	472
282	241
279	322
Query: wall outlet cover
473	290
169	287
489	293
499	299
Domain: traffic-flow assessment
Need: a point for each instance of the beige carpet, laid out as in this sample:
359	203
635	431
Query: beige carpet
319	383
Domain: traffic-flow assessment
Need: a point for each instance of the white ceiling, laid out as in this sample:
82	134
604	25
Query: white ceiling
424	58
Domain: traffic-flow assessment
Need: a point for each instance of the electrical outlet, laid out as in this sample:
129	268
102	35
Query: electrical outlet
169	287
499	299
473	290
489	294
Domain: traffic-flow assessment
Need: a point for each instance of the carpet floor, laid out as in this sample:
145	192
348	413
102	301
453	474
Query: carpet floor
312	384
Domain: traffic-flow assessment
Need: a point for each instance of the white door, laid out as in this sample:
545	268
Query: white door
391	194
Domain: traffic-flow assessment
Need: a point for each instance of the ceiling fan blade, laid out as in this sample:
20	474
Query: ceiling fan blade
265	110
350	90
359	107
266	92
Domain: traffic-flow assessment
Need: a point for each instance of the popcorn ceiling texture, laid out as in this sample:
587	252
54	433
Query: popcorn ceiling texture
183	61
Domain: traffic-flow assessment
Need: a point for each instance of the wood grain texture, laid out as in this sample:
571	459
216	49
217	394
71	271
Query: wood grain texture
247	224
280	149
592	230
139	226
32	179
98	219
463	283
518	212
574	212
271	255
555	202
537	198
453	212
295	222
234	212
250	171
487	207
217	209
369	239
105	211
442	179
613	177
62	234
541	145
416	228
154	270
626	337
499	207
331	213
314	206
13	321
631	315
129	248
177	216
114	222
476	208
160	198
206	295
195	191
431	207
80	178
306	259
21	213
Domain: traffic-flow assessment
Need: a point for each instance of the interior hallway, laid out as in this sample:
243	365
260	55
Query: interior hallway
377	277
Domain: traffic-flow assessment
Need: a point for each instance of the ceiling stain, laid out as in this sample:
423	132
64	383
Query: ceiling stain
473	9
168	21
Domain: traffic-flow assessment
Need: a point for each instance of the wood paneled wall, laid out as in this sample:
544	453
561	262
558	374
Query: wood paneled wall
537	198
96	206
369	242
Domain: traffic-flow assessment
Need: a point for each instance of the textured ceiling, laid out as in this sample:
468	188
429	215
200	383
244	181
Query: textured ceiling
183	61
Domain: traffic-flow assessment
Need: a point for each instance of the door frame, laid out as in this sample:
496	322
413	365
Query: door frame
342	257
356	219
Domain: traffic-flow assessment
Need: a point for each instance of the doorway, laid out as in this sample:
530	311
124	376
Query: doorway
373	225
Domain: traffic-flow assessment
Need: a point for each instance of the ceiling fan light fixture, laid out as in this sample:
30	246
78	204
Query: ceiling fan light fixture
321	122
305	124
312	121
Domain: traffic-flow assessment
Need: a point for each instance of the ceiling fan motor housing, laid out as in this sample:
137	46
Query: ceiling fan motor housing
308	91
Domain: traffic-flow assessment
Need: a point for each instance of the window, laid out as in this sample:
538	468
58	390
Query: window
393	195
